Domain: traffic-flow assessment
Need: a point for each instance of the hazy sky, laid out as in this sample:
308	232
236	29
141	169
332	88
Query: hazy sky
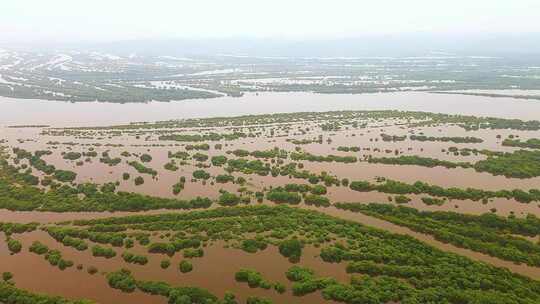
108	20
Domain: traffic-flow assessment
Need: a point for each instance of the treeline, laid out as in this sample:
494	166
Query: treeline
320	158
423	118
519	164
203	137
454	139
488	233
66	198
418	161
533	143
10	294
397	187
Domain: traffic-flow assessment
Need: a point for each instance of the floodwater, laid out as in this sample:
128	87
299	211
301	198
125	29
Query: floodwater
214	272
161	185
16	111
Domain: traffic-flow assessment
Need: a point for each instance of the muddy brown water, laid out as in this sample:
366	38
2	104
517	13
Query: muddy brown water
30	111
216	270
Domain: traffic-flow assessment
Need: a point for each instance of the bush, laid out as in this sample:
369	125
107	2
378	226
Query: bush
229	199
6	276
139	181
99	251
65	176
317	200
134	259
193	253
219	160
146	158
185	266
38	248
14	246
318	190
291	249
280	197
200	157
164	264
201	174
252	246
402	199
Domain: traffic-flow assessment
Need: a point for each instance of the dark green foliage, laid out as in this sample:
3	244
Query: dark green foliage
14	228
171	166
200	157
417	161
457	140
134	258
163	248
519	164
185	266
386	137
401	199
317	200
253	245
180	155
229	199
252	277
164	264
122	280
257	300
178	187
12	295
72	155
64	175
433	201
204	137
193	253
291	249
6	276
54	257
38	248
318	190
138	180
201	174
99	251
146	158
396	187
348	149
283	197
413	271
106	159
142	168
224	178
13	245
75	243
318	158
486	233
533	143
219	160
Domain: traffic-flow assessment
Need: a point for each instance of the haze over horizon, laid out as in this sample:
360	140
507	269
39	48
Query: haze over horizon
59	21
